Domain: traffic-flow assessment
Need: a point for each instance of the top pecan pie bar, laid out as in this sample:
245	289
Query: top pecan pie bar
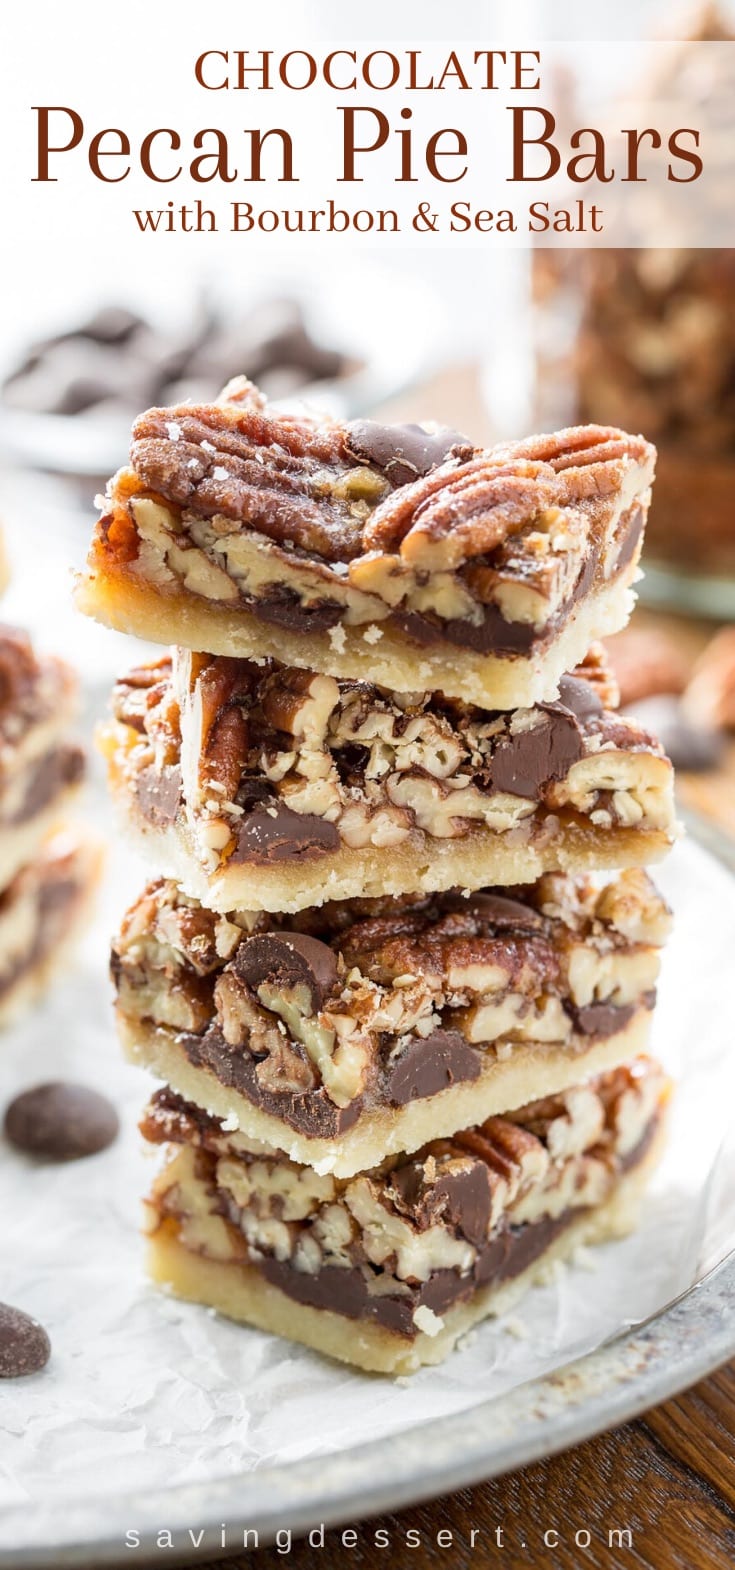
398	553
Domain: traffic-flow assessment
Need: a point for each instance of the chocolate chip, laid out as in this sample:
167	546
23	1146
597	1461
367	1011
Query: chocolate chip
61	1122
524	763
632	528
404	452
492	634
601	1019
24	1345
158	793
280	834
580	697
689	746
463	1199
283	607
430	1064
288	961
495	910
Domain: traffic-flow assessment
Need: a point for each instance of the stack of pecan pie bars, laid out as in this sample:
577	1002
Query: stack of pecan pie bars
399	1012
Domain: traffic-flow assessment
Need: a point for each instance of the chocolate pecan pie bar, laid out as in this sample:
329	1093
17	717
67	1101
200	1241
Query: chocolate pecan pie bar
260	786
42	912
365	1028
385	1270
39	767
401	555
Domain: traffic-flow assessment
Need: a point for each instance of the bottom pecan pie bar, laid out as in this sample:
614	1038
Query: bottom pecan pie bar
365	1028
387	1269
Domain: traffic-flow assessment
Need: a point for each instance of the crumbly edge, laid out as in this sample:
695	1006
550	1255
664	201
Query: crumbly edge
21	843
241	1293
489	680
479	859
527	1075
89	858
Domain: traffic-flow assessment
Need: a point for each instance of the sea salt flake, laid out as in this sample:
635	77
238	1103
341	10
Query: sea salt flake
425	1319
338	639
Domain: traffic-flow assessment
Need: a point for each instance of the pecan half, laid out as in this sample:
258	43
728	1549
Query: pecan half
459	512
289	479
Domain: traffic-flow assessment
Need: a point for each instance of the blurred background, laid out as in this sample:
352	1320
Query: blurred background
495	343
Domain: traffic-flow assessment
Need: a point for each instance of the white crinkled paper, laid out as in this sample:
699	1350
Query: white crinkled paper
151	1392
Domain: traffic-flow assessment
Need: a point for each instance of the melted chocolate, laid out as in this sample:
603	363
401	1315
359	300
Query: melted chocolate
496	910
283	607
288	960
404	452
275	834
158	793
524	763
606	1019
309	1112
580	697
430	1064
346	1290
631	537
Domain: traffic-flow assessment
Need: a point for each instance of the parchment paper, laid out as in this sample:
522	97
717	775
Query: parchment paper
155	1392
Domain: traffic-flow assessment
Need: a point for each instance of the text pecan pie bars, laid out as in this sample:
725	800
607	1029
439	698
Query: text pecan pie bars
402	555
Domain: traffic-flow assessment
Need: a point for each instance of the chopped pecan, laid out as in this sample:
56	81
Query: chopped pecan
286	1068
299	703
509	1149
221	687
204	939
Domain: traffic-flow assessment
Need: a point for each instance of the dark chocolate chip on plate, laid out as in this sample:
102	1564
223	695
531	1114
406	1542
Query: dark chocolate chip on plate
24	1345
61	1122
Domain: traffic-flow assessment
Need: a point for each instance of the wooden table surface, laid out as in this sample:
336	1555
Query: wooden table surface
658	1494
667	1479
